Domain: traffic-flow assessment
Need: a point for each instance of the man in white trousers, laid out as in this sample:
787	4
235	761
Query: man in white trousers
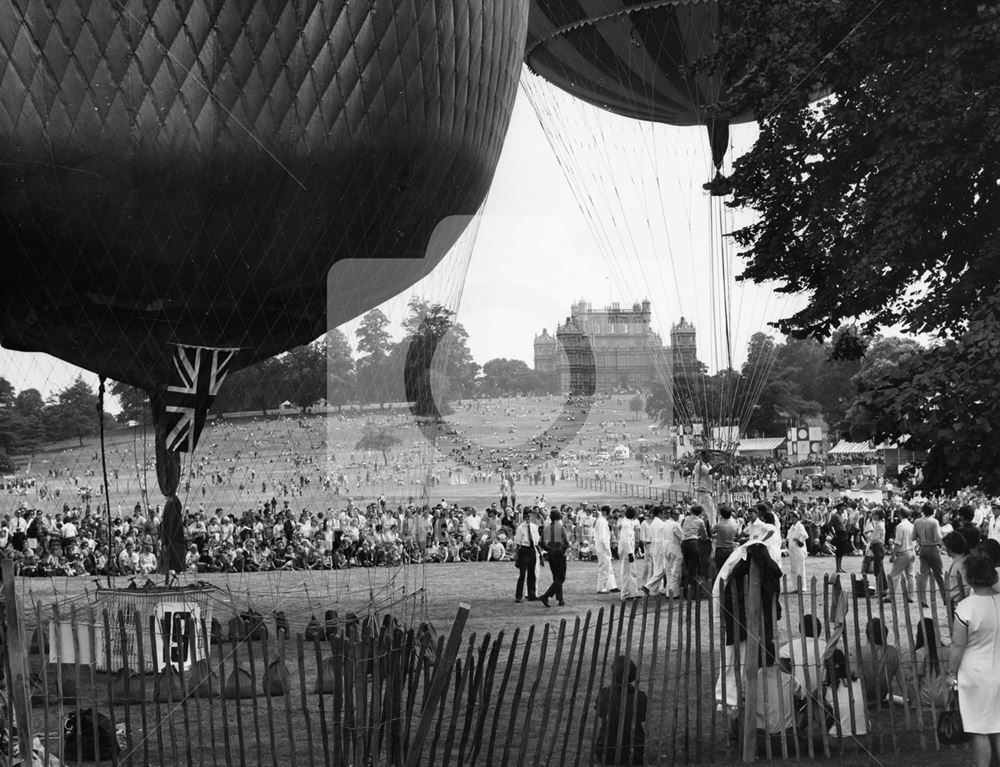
796	538
655	582
627	533
602	547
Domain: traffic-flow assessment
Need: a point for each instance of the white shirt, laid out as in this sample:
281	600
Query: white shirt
994	532
626	538
796	535
602	532
904	536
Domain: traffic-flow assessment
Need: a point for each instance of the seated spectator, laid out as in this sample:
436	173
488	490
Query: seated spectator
878	663
621	712
805	659
845	696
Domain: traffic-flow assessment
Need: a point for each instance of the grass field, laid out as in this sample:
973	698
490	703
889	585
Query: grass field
267	457
487	587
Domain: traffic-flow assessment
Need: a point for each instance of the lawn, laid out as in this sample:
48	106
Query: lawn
547	704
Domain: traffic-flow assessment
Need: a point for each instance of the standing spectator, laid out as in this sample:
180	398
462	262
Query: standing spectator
903	556
602	547
975	648
841	541
526	541
796	538
956	586
874	535
657	554
927	532
725	532
693	531
626	552
555	542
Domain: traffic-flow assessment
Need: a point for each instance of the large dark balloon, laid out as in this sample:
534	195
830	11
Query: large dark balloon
187	171
633	58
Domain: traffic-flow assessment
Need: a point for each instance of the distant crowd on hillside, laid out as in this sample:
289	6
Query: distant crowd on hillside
273	536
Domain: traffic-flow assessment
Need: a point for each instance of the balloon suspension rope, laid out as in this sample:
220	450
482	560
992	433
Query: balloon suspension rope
104	467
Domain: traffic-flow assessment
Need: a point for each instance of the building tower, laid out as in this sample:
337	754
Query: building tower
684	348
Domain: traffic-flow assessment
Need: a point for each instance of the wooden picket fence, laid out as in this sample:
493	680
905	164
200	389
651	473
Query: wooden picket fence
372	693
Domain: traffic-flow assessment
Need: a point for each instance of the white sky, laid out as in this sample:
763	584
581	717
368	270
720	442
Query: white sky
535	252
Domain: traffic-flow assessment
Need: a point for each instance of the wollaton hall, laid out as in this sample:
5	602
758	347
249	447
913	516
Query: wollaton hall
613	349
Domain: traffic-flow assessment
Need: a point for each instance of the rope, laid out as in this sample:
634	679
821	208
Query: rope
104	468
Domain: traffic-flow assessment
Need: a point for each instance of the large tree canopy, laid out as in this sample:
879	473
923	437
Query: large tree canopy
881	201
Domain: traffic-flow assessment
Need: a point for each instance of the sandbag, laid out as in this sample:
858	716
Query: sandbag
203	680
255	627
237	629
48	688
240	684
168	687
314	630
277	678
281	627
330	618
127	686
325	680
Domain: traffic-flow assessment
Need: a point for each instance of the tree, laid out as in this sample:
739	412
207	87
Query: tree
942	400
429	378
372	335
340	375
73	412
880	202
502	377
6	393
257	387
29	408
636	405
303	374
134	403
374	345
375	437
883	361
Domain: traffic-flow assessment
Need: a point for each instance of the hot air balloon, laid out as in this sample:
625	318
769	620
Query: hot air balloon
183	174
636	59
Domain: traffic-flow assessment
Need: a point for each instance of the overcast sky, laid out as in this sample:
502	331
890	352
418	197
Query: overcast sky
535	252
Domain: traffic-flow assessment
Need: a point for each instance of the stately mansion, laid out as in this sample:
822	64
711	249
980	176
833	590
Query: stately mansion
613	349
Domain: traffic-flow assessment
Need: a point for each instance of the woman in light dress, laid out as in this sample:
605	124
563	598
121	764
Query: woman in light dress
973	661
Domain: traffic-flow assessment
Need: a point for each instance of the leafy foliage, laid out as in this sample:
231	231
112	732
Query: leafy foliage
880	201
943	400
380	438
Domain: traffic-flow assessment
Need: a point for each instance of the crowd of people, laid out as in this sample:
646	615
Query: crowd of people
82	540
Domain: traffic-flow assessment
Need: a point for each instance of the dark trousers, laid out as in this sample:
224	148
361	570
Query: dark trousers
557	563
691	551
525	569
721	555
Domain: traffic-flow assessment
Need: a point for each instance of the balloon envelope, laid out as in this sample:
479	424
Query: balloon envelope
629	57
188	172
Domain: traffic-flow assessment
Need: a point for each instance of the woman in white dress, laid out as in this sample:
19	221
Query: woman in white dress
975	648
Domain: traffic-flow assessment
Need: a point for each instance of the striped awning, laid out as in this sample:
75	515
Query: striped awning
761	444
843	447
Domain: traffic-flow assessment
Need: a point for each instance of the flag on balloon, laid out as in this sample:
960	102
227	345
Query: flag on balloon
200	372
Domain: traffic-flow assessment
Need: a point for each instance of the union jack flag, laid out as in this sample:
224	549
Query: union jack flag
200	372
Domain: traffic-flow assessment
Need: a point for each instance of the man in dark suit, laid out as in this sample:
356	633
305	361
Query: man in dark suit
555	542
